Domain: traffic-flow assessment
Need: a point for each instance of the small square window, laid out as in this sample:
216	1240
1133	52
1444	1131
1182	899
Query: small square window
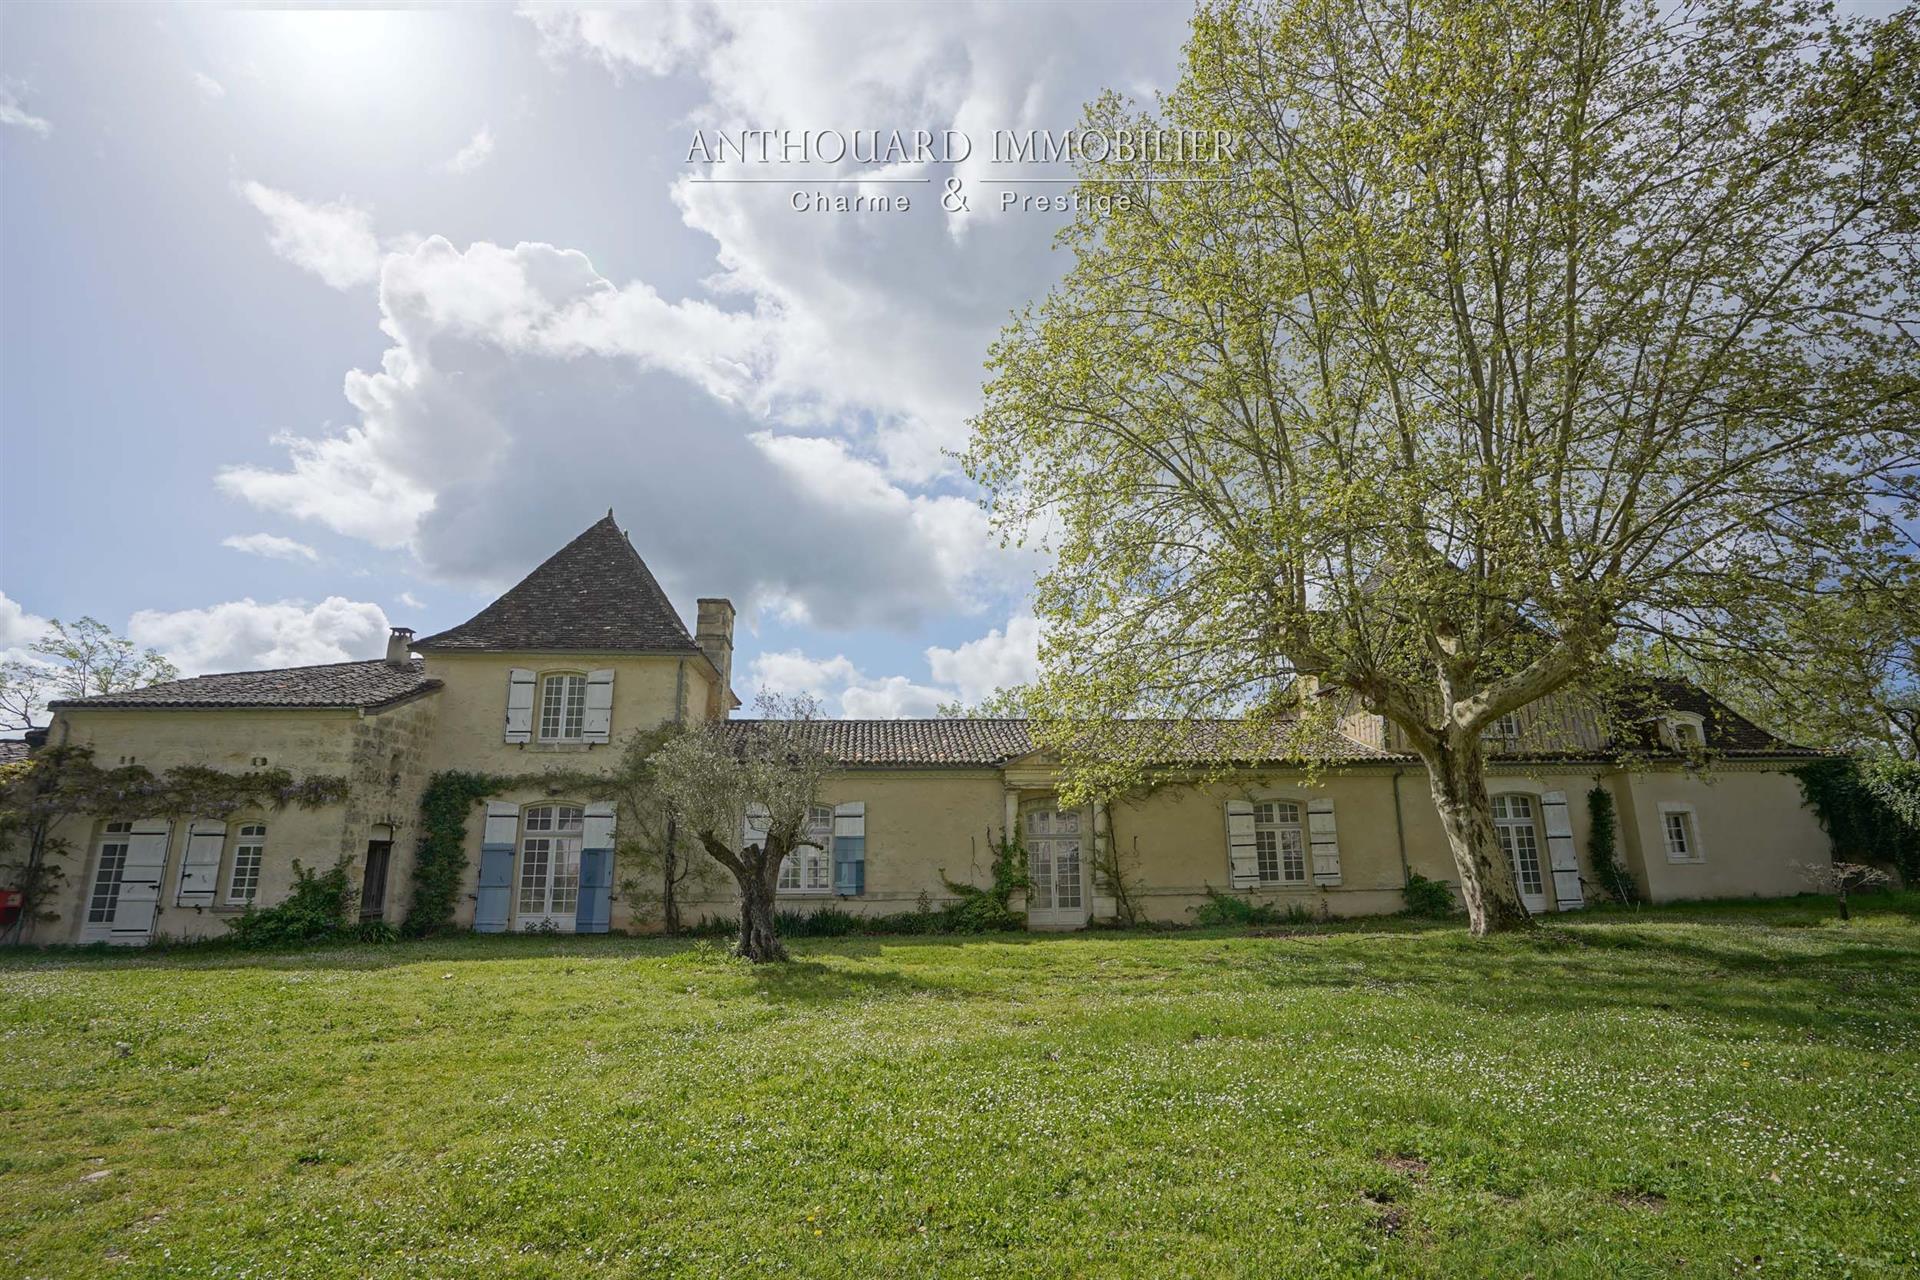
1681	831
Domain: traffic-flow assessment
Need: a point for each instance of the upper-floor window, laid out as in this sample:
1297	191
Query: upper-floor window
1279	843
1507	727
1686	731
808	867
249	850
563	707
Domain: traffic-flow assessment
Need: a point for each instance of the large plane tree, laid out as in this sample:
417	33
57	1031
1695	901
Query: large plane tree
1511	336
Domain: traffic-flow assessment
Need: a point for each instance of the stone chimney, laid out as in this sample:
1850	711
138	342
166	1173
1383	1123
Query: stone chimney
400	647
714	634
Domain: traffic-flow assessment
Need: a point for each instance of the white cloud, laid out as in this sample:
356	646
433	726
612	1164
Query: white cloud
655	39
242	635
335	241
270	545
209	88
997	660
526	394
412	601
18	628
478	151
837	683
12	113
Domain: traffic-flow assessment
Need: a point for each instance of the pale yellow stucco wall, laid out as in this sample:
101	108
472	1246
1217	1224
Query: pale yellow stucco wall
1752	828
647	690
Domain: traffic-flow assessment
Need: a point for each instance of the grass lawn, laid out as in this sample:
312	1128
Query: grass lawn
1727	1090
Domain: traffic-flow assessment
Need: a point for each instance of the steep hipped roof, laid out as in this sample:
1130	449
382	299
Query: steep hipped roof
337	685
910	743
594	595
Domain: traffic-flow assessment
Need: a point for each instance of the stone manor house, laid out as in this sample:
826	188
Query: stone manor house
588	647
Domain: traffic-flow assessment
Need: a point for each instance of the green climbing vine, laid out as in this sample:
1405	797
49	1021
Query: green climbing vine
1603	850
1856	816
440	862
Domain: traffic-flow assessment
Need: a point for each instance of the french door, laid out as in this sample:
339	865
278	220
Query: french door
1519	837
1057	897
549	896
124	894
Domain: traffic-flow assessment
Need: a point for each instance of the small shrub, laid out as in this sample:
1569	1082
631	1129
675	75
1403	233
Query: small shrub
830	921
1428	899
375	931
316	911
1225	909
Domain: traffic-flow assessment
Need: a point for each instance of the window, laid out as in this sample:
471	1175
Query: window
563	708
550	862
1279	844
105	898
373	885
1507	727
1686	731
808	868
249	848
1680	826
1513	824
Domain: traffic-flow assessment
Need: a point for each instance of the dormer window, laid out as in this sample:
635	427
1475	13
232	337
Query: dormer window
563	707
1507	728
1685	731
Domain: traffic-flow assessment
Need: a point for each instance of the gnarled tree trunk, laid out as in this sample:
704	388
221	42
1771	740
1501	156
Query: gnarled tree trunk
1456	774
758	941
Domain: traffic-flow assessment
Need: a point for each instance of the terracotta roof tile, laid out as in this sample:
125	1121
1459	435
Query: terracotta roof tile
594	595
335	685
956	742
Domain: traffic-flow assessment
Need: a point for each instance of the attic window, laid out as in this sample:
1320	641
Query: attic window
1686	731
563	707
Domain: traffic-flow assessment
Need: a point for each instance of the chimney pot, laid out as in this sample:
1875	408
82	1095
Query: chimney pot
400	647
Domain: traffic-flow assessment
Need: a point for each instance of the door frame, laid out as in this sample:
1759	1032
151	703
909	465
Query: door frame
1056	919
560	921
1537	904
144	877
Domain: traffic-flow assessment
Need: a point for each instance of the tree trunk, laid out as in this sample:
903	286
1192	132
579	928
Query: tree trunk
1456	775
758	941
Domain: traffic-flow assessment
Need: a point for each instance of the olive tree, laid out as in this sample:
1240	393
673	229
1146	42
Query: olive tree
1505	338
712	774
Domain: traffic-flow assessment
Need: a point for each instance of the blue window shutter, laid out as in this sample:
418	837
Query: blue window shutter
596	870
850	849
496	867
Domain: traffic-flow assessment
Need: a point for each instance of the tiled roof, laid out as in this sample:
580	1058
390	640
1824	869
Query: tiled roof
337	684
594	595
12	750
995	742
1726	730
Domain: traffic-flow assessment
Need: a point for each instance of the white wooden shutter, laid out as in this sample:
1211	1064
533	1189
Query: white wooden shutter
1243	861
596	827
1561	853
503	823
753	831
519	705
140	883
1323	838
599	721
200	864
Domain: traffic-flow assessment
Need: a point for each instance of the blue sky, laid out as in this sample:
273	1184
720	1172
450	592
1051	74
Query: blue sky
312	322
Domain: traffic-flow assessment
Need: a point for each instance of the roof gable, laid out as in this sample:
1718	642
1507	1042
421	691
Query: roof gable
594	595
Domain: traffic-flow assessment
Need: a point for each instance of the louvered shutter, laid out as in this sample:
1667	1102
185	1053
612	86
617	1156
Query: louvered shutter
1243	860
753	829
496	867
599	720
1323	840
1561	853
140	884
850	849
200	864
519	705
596	870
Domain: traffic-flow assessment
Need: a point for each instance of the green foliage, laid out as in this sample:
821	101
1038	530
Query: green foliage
318	910
826	922
989	910
1429	899
1227	909
1603	850
1851	801
440	862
